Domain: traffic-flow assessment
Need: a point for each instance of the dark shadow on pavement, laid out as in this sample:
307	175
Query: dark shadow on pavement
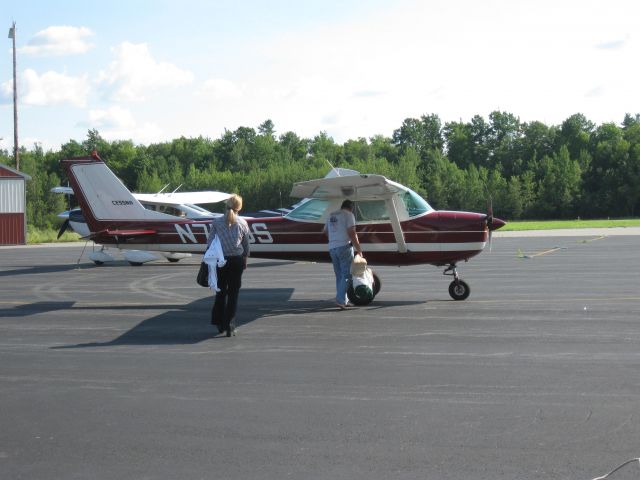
40	269
34	308
189	323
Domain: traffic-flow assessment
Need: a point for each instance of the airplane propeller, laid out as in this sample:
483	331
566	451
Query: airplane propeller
489	220
63	228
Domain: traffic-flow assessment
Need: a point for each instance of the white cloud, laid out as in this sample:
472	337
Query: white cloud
6	92
614	44
118	123
219	89
59	40
366	77
145	133
135	72
354	76
33	142
50	88
113	117
6	143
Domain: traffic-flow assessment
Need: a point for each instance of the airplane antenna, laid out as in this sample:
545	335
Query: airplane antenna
333	168
176	188
162	189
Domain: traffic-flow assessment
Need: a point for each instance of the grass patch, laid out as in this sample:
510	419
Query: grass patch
49	235
556	224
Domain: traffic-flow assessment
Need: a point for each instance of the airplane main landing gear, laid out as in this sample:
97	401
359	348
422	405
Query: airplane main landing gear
458	289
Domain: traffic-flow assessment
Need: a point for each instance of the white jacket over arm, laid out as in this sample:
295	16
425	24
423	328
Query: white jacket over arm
214	258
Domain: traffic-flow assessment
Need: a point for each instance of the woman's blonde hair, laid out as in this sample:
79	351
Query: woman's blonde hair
234	205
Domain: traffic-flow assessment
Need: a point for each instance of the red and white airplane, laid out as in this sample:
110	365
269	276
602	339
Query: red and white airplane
395	225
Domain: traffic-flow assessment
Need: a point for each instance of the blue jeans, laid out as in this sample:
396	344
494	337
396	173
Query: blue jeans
341	257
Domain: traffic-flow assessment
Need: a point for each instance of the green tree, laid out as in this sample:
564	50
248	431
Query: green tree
459	144
292	148
324	150
267	129
422	135
502	141
383	147
536	141
575	133
443	181
560	185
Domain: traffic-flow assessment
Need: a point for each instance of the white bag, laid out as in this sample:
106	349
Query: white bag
361	280
358	265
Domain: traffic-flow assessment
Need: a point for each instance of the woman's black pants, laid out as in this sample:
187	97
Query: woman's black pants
224	308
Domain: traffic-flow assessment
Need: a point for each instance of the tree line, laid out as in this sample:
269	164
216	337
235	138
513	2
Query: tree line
528	170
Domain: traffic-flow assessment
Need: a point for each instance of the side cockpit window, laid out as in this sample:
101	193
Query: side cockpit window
371	211
312	209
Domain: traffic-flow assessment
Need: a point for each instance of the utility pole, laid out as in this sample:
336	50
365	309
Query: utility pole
16	151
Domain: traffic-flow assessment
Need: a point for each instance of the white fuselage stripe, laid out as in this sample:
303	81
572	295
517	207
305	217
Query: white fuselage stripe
314	247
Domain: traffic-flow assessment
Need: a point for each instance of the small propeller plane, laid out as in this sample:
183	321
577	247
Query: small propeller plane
395	225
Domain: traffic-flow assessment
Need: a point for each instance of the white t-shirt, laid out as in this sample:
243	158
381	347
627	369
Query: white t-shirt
337	225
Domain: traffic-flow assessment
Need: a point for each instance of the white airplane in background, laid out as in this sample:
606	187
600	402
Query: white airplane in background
179	204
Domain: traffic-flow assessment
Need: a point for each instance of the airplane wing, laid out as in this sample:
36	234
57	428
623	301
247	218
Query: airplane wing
358	187
65	190
355	187
175	198
181	198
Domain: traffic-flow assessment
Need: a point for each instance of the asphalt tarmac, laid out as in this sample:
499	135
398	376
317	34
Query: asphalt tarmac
115	372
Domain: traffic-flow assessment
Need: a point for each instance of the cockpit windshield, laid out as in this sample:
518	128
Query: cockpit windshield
415	204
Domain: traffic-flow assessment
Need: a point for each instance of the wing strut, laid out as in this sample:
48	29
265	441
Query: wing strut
395	223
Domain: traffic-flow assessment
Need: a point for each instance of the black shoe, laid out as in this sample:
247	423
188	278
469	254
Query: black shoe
216	324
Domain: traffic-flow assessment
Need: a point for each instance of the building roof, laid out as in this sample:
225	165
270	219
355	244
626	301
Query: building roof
6	171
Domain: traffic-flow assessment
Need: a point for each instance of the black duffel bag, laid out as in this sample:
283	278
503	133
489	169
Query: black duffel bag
203	275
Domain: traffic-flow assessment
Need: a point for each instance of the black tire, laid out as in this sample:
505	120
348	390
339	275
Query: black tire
459	290
98	263
135	264
173	260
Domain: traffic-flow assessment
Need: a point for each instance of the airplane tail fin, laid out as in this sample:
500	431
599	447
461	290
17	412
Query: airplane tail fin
105	202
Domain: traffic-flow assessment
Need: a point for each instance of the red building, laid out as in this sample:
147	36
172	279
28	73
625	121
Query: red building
13	206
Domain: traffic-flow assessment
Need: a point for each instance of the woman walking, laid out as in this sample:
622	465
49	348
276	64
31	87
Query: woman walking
233	233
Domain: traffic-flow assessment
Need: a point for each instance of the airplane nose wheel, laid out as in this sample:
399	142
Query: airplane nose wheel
458	289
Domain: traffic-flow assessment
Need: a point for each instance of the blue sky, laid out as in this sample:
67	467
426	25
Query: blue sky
152	71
